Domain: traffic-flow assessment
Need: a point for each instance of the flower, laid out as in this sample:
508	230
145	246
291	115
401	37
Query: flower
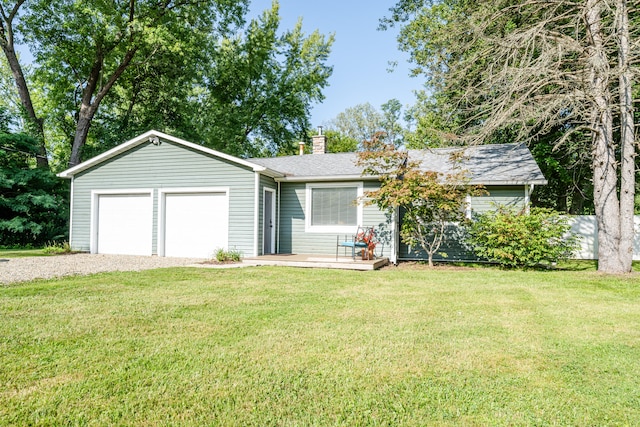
367	237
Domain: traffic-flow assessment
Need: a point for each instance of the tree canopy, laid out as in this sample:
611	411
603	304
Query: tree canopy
523	69
257	98
33	202
104	72
360	123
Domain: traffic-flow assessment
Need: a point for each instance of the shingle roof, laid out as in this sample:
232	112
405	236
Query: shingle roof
506	164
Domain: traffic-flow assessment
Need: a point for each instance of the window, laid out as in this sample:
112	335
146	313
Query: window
333	207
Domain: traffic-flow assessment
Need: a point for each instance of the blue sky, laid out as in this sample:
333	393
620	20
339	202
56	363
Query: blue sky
360	54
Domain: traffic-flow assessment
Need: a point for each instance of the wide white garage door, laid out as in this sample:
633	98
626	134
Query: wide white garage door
124	224
196	224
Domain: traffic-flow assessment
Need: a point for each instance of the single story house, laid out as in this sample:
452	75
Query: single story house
160	195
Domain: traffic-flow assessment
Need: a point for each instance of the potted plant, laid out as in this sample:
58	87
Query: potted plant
367	237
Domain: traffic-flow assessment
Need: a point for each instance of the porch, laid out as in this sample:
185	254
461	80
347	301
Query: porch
317	261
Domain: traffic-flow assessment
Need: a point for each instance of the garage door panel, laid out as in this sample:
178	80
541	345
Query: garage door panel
124	224
196	224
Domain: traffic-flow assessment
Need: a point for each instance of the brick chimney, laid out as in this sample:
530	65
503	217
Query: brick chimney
319	142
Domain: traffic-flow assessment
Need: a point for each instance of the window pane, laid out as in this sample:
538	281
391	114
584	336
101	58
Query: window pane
334	206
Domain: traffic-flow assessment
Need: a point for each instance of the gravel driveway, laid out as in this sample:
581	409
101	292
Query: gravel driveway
24	269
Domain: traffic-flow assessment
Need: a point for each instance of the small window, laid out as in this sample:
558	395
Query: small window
333	208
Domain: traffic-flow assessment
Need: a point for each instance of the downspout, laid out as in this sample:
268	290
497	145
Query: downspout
256	214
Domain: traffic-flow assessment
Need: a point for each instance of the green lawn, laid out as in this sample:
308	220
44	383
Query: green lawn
277	346
21	253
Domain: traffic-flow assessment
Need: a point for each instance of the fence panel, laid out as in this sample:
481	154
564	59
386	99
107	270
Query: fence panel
587	228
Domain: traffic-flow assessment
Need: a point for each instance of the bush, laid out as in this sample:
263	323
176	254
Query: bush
57	248
519	239
33	201
228	256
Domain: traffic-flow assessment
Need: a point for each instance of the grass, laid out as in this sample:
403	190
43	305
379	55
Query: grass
22	253
277	346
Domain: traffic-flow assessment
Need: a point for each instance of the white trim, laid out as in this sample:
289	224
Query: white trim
467	206
395	237
278	218
71	213
95	195
527	198
147	137
273	218
162	192
256	214
332	228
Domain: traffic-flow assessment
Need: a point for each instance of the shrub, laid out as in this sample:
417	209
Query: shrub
57	248
519	239
33	201
233	255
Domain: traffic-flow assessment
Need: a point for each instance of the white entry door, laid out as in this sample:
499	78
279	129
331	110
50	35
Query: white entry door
195	223
268	223
124	224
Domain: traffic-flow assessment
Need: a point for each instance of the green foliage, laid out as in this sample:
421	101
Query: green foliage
83	49
520	239
257	94
363	122
246	92
33	201
360	122
570	187
231	255
57	248
340	143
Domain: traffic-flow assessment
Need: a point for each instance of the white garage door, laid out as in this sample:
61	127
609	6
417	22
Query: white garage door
196	224
124	224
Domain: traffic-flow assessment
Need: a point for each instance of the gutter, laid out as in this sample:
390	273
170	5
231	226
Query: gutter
326	178
331	178
534	182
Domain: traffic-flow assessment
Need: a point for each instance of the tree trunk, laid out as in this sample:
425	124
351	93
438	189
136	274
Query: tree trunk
91	99
627	138
605	197
35	124
80	137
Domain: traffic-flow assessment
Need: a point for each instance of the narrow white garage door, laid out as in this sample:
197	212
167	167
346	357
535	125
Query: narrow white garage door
196	224
124	224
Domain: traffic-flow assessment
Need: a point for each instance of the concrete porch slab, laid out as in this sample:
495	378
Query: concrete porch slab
316	261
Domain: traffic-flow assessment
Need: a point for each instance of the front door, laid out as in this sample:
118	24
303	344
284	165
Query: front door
268	229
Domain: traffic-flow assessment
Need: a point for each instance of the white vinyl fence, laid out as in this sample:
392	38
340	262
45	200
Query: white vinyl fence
586	227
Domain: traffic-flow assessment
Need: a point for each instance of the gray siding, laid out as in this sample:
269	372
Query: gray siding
499	196
454	249
294	238
167	166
